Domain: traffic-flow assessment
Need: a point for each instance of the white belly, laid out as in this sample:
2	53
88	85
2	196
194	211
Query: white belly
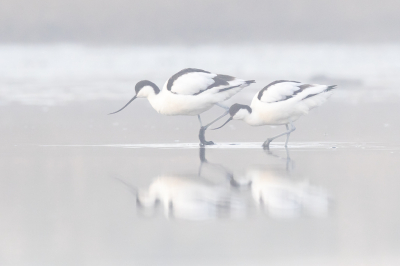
283	112
274	113
167	103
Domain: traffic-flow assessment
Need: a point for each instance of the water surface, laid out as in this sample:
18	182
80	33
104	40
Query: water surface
79	187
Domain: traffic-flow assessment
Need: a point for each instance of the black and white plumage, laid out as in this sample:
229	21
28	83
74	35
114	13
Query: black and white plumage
191	91
281	103
191	81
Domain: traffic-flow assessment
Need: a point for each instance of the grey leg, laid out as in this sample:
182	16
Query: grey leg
268	141
289	161
287	136
202	155
204	128
201	124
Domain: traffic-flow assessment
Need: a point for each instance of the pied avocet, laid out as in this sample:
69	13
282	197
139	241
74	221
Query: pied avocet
190	92
280	103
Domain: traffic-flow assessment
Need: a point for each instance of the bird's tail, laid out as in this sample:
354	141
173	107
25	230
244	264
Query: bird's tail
331	87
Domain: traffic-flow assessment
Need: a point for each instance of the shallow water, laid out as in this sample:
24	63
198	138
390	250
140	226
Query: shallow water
74	190
87	205
79	187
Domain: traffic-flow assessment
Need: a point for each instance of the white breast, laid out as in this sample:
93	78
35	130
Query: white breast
167	103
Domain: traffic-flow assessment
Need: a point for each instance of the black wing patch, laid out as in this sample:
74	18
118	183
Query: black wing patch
219	80
302	88
260	94
225	77
328	89
181	73
305	86
225	89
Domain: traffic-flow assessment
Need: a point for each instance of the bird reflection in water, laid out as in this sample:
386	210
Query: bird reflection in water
199	197
282	196
191	197
289	161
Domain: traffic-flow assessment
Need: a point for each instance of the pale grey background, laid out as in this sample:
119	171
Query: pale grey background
64	65
208	21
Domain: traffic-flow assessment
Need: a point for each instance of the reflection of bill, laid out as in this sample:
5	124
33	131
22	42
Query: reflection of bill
283	196
201	197
191	198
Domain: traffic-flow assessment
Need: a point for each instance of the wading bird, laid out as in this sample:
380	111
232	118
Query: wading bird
280	103
190	92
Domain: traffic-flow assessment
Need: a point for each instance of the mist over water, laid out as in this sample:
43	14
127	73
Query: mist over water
54	74
80	187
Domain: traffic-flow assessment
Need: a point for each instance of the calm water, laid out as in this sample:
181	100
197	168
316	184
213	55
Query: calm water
78	187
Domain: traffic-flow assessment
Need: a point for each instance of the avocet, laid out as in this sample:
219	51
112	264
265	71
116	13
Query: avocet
280	103
190	92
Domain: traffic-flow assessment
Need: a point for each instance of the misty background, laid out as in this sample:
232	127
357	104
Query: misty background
66	64
193	22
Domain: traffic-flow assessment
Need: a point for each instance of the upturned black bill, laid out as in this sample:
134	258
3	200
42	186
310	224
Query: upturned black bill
124	106
227	121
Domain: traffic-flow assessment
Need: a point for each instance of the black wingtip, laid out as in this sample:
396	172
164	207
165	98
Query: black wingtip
250	81
331	87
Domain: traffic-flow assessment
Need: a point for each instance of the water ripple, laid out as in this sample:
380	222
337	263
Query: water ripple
253	145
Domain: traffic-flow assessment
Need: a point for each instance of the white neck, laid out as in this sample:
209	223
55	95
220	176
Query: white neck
156	101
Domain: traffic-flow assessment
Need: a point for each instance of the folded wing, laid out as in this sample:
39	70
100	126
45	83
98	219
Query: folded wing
192	81
285	90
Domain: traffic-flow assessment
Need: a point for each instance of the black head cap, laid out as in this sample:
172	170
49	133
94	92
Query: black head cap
236	107
144	83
